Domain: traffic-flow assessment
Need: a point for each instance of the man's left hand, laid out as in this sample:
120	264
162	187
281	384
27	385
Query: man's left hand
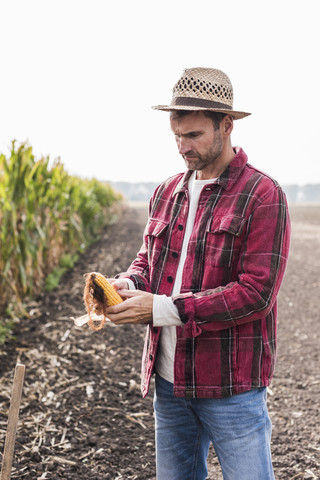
136	309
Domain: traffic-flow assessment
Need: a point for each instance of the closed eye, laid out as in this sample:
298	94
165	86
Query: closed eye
189	135
193	135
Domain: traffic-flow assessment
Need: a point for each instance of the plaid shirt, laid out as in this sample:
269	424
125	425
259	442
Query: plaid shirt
236	260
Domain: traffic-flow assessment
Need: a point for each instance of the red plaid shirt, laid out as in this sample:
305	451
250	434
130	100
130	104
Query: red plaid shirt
236	260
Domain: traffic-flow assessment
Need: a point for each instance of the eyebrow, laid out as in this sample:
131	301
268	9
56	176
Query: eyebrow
192	132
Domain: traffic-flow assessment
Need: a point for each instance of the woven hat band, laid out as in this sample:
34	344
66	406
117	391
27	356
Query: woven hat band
198	102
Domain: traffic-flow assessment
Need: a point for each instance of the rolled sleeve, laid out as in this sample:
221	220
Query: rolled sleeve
165	313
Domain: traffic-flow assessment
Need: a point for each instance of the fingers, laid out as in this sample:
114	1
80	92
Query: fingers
122	310
137	308
118	284
125	292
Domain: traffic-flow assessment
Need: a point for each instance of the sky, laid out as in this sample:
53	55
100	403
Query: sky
78	79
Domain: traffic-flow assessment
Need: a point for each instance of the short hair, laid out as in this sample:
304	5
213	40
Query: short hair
216	117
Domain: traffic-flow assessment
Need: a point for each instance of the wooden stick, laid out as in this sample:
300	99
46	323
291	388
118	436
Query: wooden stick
13	417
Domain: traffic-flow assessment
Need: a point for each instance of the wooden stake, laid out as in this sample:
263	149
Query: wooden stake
13	417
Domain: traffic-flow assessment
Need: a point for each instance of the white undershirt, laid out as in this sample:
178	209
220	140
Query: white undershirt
165	313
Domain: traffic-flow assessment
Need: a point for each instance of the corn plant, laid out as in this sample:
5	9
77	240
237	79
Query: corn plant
44	215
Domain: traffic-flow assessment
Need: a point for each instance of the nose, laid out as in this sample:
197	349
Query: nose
183	145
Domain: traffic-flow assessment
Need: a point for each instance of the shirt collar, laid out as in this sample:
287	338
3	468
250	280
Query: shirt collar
234	169
182	186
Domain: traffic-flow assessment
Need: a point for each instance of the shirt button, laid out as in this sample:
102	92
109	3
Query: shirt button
151	357
170	279
175	254
180	227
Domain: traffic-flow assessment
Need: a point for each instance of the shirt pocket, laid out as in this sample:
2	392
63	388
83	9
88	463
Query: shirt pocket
156	230
223	239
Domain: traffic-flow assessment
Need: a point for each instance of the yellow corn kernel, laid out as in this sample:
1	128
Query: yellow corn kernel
111	295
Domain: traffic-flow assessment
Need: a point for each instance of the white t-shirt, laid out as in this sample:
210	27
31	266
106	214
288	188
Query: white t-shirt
165	313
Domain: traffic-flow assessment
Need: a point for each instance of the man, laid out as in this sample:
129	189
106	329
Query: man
206	282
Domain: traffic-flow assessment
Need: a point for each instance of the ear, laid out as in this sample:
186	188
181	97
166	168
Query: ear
227	125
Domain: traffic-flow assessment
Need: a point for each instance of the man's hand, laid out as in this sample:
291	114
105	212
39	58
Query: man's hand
137	309
118	284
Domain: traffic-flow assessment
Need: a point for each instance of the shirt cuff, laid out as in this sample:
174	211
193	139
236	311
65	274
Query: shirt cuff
131	285
165	313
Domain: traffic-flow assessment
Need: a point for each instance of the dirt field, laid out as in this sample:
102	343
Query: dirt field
82	416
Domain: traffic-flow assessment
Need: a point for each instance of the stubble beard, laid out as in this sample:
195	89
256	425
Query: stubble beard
199	162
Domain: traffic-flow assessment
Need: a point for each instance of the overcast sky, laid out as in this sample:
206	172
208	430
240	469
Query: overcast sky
78	79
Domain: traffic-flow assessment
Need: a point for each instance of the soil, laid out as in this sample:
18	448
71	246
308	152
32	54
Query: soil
82	415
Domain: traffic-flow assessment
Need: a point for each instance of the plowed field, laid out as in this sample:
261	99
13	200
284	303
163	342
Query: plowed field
82	416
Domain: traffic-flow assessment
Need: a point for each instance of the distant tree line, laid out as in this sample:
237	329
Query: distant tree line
142	191
137	192
309	193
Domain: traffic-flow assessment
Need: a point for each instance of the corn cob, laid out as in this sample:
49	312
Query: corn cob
112	297
99	294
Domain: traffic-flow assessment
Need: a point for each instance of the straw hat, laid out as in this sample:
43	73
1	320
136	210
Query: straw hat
203	89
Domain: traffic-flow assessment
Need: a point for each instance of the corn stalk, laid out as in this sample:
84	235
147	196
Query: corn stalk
44	214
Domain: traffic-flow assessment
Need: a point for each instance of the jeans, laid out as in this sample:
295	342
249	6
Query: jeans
238	427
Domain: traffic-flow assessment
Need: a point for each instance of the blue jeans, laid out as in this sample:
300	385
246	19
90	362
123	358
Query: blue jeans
238	427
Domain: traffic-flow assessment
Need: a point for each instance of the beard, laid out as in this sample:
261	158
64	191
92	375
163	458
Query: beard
196	161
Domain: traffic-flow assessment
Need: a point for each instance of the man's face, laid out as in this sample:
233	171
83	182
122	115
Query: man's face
198	143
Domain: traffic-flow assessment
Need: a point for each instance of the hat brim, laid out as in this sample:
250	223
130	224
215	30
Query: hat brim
168	108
